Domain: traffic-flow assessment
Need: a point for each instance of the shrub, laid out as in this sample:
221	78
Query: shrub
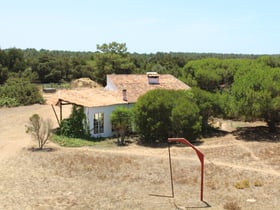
242	184
152	115
76	125
160	114
185	119
39	129
232	205
8	102
121	121
258	183
22	91
71	142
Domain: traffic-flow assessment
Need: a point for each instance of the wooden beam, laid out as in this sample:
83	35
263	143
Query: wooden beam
55	115
60	109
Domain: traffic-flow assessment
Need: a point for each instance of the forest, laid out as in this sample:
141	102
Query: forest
234	86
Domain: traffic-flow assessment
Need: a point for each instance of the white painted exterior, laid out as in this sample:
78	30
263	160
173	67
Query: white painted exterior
107	110
110	85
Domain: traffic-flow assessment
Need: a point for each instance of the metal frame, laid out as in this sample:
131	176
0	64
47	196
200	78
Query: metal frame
200	156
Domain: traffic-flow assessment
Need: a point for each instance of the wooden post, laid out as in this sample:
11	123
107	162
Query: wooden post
60	109
55	115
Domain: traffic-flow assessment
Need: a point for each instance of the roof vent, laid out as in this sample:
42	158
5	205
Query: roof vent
153	78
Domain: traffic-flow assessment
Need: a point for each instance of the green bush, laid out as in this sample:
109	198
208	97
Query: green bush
186	120
71	142
8	102
76	125
21	91
121	121
161	114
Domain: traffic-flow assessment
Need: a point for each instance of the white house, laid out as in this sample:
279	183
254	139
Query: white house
121	90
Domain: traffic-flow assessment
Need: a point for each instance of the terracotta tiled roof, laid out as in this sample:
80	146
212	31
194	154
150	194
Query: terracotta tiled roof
137	84
134	84
93	97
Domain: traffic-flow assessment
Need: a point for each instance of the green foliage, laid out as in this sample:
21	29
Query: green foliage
3	74
80	142
8	102
209	105
152	115
111	58
121	121
257	95
15	60
58	85
212	74
39	129
157	115
22	91
113	47
71	142
76	125
241	86
46	66
185	119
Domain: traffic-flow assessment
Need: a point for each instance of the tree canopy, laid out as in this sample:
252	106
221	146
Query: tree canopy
160	114
111	58
257	95
121	121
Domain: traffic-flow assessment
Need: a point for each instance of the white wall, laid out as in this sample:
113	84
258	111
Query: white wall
107	110
109	85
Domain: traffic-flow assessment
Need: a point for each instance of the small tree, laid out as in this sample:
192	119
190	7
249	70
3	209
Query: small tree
152	115
160	114
121	121
40	129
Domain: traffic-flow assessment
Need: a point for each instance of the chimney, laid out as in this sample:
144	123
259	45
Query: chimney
124	94
153	78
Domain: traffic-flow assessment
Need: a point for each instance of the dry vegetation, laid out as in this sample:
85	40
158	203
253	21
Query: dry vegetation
134	177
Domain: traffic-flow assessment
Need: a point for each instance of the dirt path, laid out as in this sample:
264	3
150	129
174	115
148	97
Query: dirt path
13	137
187	154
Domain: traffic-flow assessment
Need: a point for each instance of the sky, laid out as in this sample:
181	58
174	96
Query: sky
146	26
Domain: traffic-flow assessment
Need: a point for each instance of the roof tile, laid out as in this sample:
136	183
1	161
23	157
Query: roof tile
137	84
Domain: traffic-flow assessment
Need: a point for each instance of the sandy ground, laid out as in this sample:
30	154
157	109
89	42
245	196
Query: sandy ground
132	177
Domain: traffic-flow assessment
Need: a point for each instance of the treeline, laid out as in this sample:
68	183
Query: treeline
46	66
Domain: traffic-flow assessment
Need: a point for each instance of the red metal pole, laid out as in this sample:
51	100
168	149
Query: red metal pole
200	156
202	178
170	168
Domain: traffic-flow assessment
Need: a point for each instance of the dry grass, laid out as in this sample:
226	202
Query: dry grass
258	183
232	205
104	179
242	184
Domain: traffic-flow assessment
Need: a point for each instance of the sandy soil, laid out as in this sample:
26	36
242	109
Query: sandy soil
132	177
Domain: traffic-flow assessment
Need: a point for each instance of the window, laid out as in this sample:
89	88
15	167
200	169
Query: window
98	123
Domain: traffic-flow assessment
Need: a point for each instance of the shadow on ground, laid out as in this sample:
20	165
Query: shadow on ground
258	133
